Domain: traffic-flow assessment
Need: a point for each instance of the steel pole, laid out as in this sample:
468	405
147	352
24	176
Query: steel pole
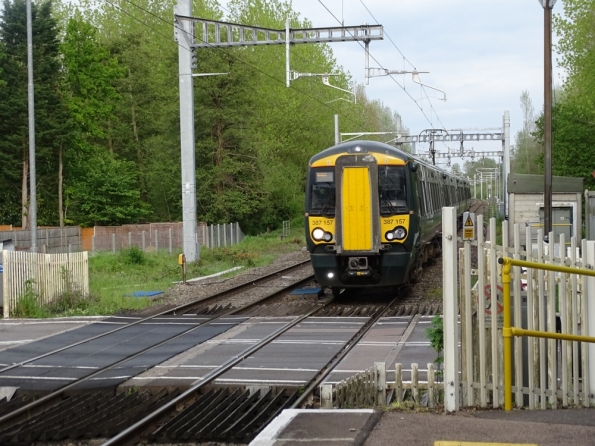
287	63
186	85
31	106
337	134
547	115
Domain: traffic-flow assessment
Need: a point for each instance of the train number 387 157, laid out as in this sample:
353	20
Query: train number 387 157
394	221
322	222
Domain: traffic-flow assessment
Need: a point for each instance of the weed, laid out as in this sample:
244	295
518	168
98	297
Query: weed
435	292
28	305
133	256
435	334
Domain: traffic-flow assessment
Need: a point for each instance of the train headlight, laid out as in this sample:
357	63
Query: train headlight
328	236
318	234
390	235
400	233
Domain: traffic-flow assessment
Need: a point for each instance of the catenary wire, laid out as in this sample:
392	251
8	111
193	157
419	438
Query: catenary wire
233	56
375	60
404	58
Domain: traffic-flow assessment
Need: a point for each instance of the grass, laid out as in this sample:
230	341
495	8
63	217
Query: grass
112	276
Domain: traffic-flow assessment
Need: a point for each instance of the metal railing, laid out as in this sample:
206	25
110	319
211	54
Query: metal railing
508	331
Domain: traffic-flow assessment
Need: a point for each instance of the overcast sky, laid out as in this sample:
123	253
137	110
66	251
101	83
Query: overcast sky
482	54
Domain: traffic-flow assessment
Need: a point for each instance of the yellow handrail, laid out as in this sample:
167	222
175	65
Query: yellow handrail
508	332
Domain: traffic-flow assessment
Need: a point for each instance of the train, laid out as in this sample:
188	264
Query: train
373	214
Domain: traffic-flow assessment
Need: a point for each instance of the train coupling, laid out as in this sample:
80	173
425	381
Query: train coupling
358	267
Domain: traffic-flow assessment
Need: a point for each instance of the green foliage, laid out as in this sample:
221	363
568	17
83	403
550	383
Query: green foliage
435	334
573	116
109	142
527	154
107	194
50	112
134	256
28	305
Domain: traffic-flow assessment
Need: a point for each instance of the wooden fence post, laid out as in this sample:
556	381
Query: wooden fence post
380	368
398	382
326	396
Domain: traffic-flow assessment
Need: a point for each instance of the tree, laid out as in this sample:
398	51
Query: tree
527	155
49	110
106	194
89	76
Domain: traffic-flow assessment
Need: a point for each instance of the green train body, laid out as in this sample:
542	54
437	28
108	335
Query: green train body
373	214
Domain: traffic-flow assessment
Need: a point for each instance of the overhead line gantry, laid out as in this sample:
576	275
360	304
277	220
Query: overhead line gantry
192	33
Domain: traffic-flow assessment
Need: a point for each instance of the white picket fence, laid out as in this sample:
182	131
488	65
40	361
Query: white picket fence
370	388
546	373
48	276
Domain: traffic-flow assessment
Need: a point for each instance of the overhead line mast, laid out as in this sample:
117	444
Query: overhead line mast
192	33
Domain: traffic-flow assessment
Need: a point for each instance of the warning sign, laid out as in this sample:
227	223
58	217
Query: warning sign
488	300
489	306
468	226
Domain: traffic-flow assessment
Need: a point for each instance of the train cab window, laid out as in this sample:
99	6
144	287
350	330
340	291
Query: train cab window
392	190
322	192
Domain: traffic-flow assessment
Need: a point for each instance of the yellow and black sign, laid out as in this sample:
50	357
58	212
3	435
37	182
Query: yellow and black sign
468	226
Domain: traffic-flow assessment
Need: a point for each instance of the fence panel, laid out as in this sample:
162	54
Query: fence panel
546	373
369	388
163	236
46	275
49	240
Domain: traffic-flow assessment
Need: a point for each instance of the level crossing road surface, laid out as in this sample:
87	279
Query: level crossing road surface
55	371
394	339
292	360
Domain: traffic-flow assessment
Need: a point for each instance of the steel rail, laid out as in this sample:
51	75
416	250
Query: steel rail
137	428
61	390
148	318
237	288
339	356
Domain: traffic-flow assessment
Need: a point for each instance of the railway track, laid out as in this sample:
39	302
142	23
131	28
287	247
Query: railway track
11	415
202	412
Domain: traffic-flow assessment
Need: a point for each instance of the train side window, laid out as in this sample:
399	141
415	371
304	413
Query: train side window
422	197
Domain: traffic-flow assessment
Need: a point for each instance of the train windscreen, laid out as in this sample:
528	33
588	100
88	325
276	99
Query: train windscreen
392	190
322	192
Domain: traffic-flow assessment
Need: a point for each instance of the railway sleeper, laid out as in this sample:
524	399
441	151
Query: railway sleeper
207	419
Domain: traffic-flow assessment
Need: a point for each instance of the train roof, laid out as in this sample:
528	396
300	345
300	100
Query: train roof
377	147
368	146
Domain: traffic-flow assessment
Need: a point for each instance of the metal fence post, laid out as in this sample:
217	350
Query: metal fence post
156	240
129	239
451	309
93	243
218	235
114	243
224	235
143	237
589	259
212	236
170	248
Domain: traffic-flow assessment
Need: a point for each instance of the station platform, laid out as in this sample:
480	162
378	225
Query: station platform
295	427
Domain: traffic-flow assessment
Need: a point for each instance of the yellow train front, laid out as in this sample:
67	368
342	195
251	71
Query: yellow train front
373	214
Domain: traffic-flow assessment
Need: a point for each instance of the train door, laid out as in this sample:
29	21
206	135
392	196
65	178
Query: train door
358	220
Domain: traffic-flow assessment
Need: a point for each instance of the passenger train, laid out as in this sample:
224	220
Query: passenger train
373	214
